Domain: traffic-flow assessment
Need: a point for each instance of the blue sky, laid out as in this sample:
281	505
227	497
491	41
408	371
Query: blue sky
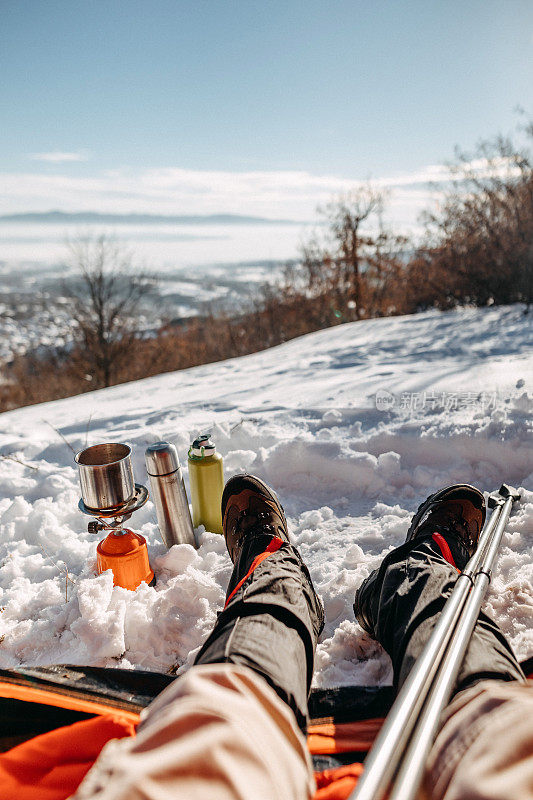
200	105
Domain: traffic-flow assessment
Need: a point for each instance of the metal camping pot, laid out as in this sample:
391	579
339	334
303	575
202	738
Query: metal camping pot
106	476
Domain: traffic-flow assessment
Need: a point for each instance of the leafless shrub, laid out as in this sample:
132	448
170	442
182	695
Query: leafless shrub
479	246
105	301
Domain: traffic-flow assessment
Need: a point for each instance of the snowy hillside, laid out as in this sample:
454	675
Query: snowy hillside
352	426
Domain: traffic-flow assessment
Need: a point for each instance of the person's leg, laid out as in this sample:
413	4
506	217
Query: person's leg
219	732
399	604
272	617
230	727
484	749
271	622
485	743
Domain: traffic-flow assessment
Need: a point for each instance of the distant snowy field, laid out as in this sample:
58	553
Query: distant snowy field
196	264
352	426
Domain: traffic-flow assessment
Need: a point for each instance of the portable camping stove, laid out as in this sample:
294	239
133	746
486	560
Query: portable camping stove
106	478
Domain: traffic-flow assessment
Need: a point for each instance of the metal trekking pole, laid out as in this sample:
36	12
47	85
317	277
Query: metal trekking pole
412	768
385	756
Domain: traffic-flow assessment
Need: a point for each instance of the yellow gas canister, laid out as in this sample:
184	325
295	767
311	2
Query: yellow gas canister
206	478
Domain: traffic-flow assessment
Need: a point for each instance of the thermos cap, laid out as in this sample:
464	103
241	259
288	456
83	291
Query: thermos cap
161	459
203	446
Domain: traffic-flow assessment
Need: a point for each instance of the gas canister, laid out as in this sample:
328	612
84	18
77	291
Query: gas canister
206	478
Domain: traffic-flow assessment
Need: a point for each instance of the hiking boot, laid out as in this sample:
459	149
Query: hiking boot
250	508
457	511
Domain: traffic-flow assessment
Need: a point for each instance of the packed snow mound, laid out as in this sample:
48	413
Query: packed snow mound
352	426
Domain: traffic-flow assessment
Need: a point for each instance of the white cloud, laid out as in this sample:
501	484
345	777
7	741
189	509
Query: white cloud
58	157
170	190
442	174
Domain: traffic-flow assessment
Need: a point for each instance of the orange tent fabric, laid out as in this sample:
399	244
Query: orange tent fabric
344	737
337	784
51	766
32	694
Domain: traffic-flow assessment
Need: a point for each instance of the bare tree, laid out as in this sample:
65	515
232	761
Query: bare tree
354	273
345	217
385	273
106	298
479	246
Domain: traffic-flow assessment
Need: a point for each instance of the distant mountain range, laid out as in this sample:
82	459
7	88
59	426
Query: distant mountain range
66	217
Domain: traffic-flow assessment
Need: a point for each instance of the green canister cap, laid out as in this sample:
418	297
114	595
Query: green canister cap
202	447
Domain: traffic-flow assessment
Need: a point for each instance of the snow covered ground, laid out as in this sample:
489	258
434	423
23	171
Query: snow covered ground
352	426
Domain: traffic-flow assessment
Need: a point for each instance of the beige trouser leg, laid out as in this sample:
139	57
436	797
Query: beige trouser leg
219	733
484	750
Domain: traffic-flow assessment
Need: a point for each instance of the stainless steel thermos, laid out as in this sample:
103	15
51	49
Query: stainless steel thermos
169	495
